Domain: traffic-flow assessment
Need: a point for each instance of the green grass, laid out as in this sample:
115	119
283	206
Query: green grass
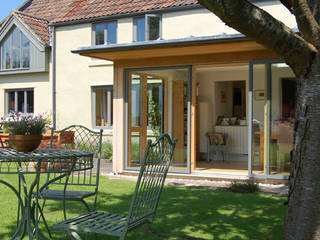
191	212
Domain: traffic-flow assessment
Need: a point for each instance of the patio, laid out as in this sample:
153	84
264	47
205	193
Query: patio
184	212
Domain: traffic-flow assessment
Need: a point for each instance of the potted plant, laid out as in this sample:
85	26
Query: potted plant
25	130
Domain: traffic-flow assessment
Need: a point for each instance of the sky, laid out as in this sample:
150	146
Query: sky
7	6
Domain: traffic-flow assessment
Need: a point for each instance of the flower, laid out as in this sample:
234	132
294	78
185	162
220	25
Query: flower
17	123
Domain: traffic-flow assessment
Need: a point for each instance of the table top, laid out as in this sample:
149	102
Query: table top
51	160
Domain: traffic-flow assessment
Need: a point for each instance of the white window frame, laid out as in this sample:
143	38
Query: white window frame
105	32
109	89
147	30
25	90
9	38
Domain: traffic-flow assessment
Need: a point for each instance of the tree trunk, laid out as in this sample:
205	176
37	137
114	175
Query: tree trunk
302	220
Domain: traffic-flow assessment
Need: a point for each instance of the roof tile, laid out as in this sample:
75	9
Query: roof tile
68	10
38	26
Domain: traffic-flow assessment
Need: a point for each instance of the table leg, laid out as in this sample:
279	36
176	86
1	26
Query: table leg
20	225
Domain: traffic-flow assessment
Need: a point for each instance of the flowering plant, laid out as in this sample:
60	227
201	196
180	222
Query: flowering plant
25	124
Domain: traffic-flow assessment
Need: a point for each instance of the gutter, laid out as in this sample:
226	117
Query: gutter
54	110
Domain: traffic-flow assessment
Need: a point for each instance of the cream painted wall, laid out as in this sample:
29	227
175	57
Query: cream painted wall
38	81
76	75
201	22
125	30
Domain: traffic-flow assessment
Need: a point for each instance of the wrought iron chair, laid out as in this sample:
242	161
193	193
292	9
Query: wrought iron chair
153	172
80	138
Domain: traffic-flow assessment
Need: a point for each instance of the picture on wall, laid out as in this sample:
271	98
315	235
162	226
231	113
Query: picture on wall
259	94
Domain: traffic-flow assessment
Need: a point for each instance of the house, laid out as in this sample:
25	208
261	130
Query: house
158	66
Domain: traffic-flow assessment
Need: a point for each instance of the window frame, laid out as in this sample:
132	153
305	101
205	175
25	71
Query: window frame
109	89
15	91
146	18
9	38
105	32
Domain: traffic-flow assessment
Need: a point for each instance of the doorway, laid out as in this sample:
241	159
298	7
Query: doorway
158	101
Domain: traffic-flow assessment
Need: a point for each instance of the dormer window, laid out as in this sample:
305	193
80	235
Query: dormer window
15	51
105	33
147	27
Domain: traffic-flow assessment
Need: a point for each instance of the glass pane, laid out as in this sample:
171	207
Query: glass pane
11	102
25	52
136	153
180	121
20	101
140	29
16	45
101	107
136	118
155	105
112	32
258	107
30	101
283	100
159	104
154	27
99	33
6	54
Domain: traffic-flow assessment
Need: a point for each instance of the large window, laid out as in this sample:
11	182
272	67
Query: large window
147	27
20	101
105	33
15	51
102	106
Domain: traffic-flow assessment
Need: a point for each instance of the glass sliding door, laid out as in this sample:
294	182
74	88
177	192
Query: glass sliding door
158	101
282	115
272	90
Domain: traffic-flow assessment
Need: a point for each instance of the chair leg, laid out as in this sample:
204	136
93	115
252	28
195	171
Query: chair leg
146	230
86	204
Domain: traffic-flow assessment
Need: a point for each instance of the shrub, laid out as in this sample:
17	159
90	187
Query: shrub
106	151
248	186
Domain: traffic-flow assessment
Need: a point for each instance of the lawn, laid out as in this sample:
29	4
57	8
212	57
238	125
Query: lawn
183	213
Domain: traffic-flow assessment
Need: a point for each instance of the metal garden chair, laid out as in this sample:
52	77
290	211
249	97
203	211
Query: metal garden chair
153	172
87	182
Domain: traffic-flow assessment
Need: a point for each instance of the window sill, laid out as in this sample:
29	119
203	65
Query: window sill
20	71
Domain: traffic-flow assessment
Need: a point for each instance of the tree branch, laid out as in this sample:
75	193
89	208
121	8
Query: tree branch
260	26
315	9
307	24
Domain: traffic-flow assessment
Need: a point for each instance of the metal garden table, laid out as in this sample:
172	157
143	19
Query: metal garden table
61	162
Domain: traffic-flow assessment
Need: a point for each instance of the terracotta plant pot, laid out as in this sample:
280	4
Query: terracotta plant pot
25	143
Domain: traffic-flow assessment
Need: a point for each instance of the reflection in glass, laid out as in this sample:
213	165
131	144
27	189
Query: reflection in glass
153	27
11	106
99	33
136	149
20	101
136	119
283	96
30	102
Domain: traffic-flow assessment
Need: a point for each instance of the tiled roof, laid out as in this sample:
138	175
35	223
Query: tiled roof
68	10
39	27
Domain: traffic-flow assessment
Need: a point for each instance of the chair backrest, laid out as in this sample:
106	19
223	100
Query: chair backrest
79	138
153	172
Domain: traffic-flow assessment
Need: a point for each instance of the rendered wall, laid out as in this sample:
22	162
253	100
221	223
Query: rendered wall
38	81
202	22
76	75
